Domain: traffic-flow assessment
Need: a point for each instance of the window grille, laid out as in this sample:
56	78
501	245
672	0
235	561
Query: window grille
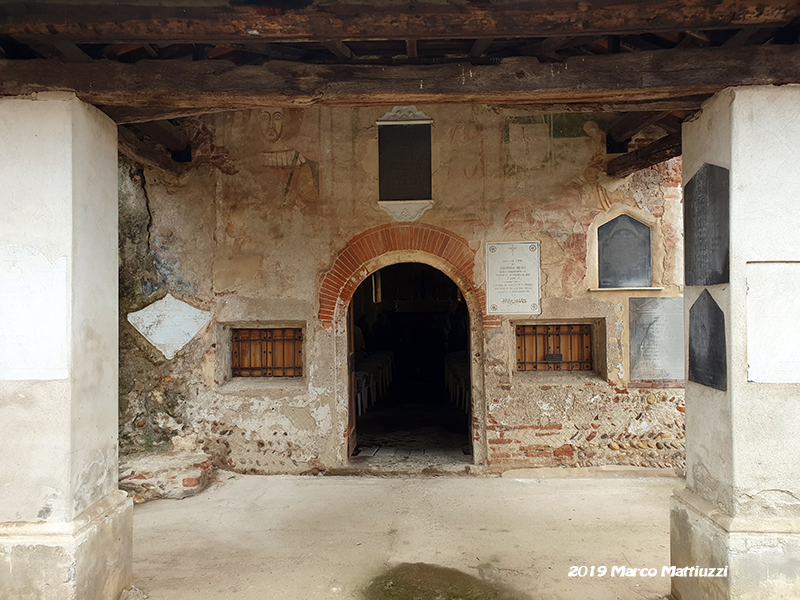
554	348
267	352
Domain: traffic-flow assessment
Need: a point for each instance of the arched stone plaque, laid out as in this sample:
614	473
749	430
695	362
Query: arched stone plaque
624	253
708	363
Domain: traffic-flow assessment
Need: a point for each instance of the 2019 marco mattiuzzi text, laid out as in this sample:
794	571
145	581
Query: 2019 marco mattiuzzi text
668	571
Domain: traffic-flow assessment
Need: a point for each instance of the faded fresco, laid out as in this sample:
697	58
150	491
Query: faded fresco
272	196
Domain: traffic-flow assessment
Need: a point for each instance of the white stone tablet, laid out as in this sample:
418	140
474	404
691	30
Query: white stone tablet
513	279
169	324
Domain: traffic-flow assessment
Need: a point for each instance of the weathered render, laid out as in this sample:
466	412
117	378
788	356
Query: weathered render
257	243
65	528
741	503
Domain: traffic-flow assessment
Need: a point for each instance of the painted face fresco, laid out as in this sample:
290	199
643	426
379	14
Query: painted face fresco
272	124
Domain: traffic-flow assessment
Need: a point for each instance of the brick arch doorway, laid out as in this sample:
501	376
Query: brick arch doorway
411	394
388	245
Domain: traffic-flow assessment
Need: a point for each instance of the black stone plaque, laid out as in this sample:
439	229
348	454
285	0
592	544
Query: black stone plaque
706	225
657	350
404	162
708	364
624	253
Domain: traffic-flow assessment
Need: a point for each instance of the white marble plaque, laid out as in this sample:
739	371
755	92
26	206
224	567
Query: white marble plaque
33	315
773	322
169	324
513	280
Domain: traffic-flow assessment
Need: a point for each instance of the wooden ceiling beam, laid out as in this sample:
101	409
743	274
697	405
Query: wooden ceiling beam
662	149
72	52
411	49
479	47
670	124
275	51
131	115
585	80
166	134
150	50
315	20
694	38
629	124
339	49
131	146
741	37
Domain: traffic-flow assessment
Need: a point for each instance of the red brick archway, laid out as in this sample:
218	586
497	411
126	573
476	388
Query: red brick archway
349	271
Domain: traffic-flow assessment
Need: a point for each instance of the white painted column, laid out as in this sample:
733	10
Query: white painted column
741	505
65	528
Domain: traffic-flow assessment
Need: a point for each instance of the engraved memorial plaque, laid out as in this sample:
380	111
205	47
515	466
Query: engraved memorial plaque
656	338
707	353
513	281
624	253
706	223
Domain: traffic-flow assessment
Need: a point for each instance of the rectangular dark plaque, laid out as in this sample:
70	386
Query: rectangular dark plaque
554	357
656	338
708	363
404	162
706	224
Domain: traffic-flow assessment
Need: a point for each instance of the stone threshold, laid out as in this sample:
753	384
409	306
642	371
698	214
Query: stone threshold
462	468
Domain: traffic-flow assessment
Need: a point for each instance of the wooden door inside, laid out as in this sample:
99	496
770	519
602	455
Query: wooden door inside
351	385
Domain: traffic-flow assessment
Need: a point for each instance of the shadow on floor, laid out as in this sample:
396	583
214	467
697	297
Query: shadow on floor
421	581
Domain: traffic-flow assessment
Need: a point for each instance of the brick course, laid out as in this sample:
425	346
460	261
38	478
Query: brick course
348	270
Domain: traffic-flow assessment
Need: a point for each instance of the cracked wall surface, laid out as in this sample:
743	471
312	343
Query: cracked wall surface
250	230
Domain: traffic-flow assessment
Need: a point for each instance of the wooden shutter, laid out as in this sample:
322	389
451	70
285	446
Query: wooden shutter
267	352
554	348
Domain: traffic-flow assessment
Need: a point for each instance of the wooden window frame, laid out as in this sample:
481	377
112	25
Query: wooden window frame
267	352
542	347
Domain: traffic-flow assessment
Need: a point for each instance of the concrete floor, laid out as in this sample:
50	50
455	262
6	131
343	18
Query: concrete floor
255	537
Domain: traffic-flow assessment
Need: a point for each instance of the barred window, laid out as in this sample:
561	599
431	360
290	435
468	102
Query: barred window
554	348
267	352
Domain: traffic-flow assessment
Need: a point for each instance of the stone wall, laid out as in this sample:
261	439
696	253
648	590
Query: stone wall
259	231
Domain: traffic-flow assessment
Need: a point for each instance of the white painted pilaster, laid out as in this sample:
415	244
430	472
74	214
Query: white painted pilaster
65	528
741	505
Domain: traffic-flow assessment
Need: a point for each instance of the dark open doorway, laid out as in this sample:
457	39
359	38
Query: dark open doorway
411	381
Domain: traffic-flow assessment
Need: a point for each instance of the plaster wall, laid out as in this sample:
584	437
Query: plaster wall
738	438
64	528
741	505
236	236
765	177
709	470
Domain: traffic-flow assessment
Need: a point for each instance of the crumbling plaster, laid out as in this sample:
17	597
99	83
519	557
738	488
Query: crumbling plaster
249	239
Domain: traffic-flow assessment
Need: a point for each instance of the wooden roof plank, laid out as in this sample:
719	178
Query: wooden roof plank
586	80
479	47
321	20
629	124
662	149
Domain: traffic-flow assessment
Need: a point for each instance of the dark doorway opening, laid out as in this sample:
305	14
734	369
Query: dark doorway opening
411	382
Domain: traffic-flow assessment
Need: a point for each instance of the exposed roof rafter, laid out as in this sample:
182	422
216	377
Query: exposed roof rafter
93	22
